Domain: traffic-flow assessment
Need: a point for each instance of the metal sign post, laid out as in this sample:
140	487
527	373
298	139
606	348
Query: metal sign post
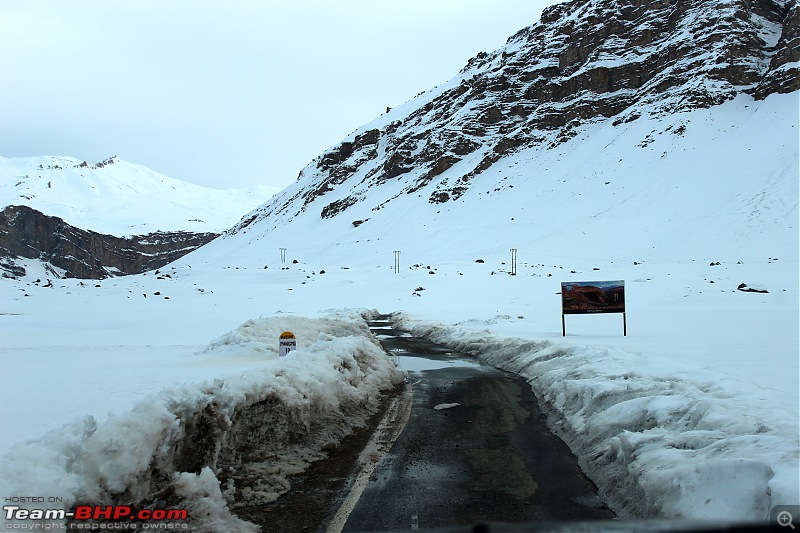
586	297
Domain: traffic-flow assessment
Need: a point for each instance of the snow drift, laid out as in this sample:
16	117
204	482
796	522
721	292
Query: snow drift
658	440
183	446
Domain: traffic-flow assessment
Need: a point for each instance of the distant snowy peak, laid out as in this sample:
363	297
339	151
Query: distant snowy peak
68	218
119	198
585	62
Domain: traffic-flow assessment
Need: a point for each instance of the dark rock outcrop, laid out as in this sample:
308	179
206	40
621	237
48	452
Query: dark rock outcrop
782	76
25	232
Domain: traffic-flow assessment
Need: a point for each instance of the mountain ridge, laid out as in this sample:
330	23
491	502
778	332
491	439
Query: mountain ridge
111	218
584	62
67	251
119	198
691	126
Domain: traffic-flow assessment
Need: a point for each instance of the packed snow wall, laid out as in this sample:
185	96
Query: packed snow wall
658	439
199	447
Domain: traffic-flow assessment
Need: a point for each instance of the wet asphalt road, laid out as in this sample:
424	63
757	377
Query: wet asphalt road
489	459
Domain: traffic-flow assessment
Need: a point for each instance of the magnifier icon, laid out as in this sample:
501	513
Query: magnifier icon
785	519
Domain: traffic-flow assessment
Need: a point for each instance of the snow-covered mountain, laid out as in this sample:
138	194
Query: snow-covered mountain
68	218
120	198
607	129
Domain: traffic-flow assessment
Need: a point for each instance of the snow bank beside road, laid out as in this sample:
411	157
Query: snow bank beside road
258	336
659	440
182	440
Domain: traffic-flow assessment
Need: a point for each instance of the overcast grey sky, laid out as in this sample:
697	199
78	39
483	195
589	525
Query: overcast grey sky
226	94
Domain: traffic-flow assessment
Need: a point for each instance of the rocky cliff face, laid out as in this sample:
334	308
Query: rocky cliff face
25	232
585	61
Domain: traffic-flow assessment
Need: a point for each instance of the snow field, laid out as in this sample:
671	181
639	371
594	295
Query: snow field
693	414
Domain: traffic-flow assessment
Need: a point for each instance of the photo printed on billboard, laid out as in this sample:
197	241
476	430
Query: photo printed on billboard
580	297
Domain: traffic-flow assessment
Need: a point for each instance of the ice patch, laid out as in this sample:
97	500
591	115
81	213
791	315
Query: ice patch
420	364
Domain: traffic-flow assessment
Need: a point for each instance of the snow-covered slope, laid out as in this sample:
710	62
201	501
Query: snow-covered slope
588	70
118	198
702	185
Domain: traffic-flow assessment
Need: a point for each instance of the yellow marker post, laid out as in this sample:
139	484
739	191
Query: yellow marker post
286	343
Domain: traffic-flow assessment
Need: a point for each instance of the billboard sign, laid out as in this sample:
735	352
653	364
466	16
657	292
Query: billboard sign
582	297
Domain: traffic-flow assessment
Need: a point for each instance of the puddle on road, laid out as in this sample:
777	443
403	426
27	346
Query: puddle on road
420	364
